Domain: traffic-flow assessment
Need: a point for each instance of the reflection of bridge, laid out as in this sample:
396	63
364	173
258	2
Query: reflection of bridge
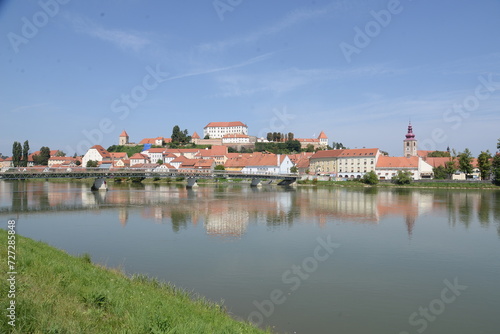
101	174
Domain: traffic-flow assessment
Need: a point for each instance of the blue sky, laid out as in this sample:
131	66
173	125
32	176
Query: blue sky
76	73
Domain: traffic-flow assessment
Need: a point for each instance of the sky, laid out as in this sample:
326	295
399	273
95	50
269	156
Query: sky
74	74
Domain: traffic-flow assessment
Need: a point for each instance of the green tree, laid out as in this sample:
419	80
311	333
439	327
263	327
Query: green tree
402	178
465	162
437	154
440	173
60	154
159	162
310	148
294	169
78	162
269	136
219	167
498	144
495	168
17	154
206	137
92	163
43	158
293	146
484	164
26	152
370	178
180	137
290	136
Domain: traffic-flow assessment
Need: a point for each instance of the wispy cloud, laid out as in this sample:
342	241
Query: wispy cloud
280	82
27	108
224	68
291	19
125	40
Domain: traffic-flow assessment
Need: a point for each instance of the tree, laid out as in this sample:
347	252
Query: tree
219	167
78	162
180	137
26	152
495	168
294	169
43	158
437	154
484	164
17	152
60	154
92	163
402	178
370	178
293	145
498	144
269	136
159	162
310	148
275	136
206	137
440	173
290	135
465	162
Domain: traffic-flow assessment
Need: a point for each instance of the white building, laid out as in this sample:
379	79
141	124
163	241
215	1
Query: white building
235	138
219	129
388	167
96	153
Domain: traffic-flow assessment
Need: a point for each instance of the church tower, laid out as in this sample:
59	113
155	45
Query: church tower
410	144
323	139
123	138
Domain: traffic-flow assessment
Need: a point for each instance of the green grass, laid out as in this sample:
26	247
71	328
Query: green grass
458	185
59	293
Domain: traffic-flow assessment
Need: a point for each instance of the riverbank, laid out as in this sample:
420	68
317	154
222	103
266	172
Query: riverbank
60	293
440	185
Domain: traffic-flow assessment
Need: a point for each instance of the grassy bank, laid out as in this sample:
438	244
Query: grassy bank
59	293
450	185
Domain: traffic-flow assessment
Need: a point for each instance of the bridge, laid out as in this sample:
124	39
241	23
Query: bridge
102	174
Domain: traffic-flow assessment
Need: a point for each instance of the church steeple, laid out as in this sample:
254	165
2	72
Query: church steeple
410	143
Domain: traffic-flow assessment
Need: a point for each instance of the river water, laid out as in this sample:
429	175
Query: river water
297	259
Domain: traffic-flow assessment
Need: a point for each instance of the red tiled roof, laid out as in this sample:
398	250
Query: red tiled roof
124	134
68	159
118	155
397	162
151	141
156	150
195	135
224	124
139	156
322	135
104	153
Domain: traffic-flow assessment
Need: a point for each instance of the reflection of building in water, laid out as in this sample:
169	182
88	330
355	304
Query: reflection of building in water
227	222
123	215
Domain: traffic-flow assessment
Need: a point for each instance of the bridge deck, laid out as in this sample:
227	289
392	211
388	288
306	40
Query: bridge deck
118	173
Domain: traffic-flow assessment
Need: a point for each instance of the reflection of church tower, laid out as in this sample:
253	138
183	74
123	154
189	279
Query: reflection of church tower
123	138
410	220
410	143
123	215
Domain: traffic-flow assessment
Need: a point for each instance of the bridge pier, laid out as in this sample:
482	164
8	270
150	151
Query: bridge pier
99	184
286	182
255	182
191	182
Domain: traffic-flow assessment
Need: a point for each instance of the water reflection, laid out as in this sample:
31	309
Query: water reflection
227	210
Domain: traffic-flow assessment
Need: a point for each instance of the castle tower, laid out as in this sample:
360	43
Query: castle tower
410	144
323	139
123	138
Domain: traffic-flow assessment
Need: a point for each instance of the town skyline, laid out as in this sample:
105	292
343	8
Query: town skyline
358	70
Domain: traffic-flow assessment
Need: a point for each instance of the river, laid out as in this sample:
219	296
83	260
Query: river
297	259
